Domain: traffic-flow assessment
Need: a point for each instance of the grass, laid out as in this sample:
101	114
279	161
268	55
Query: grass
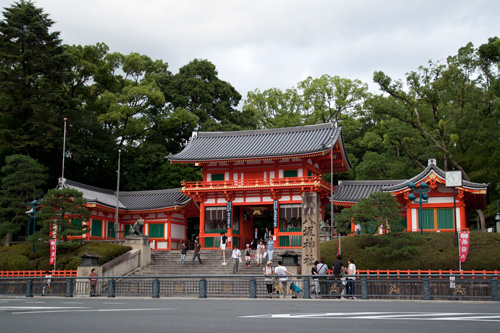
21	257
414	251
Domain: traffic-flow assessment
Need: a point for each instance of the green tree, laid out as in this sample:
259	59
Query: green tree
451	106
32	70
62	210
379	210
22	182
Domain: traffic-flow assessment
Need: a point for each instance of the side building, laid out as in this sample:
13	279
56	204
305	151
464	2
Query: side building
440	210
166	214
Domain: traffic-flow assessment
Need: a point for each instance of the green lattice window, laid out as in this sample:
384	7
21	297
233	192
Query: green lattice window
156	230
111	229
209	241
217	177
96	228
427	219
76	223
445	218
290	173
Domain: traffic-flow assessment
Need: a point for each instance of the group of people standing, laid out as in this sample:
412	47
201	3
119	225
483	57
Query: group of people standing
264	250
343	276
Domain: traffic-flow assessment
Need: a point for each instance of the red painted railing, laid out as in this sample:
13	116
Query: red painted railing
393	273
59	273
268	182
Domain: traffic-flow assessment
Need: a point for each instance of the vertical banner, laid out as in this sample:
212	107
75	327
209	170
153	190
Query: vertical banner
463	245
229	206
52	259
275	213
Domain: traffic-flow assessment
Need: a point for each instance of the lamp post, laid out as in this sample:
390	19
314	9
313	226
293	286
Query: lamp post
32	216
117	194
422	198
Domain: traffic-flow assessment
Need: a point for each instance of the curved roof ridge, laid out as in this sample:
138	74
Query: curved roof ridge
266	130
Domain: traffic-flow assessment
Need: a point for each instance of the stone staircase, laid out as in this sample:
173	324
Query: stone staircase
169	263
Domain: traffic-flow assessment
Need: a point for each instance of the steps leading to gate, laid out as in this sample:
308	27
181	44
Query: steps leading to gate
169	263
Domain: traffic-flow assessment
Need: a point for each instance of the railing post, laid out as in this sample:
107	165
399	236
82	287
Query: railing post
69	288
307	288
111	288
427	289
203	288
364	288
253	288
156	288
494	290
29	288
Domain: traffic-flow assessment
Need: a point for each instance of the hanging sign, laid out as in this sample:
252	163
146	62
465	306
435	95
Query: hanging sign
52	258
464	245
275	213
228	211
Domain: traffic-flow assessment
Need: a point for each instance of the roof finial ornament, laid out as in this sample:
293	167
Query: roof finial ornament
431	161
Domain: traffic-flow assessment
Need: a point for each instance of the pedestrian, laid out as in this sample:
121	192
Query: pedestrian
183	253
93	282
236	255
267	235
314	272
268	272
248	256
197	251
338	270
223	241
261	249
255	237
351	271
270	248
46	283
322	269
281	271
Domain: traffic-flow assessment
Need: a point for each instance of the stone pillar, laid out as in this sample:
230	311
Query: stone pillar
140	243
310	230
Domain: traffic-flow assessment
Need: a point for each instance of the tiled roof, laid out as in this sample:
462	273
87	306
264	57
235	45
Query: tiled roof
355	190
131	200
290	141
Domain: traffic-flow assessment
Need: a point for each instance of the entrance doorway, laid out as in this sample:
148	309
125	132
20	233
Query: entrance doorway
262	218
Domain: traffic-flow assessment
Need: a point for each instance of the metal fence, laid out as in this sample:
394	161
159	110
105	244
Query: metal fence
410	287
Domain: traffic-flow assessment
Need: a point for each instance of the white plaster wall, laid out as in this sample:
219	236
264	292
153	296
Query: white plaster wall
441	200
178	231
210	201
414	220
253	199
220	200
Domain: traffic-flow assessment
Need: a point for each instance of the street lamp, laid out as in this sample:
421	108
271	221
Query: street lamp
32	216
422	198
497	217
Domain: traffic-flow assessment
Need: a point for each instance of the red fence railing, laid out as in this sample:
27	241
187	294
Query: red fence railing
59	273
393	273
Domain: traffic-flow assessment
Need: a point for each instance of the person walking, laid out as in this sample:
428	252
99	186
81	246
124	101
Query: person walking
261	249
255	237
270	248
351	271
93	282
322	274
338	270
223	241
268	272
236	255
248	256
281	271
267	235
197	251
183	253
314	271
46	282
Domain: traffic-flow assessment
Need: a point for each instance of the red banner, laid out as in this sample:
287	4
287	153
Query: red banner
463	245
52	259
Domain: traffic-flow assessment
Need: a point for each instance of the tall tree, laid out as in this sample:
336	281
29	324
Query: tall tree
32	70
22	182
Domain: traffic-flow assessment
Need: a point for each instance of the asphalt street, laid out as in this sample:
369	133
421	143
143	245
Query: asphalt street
73	315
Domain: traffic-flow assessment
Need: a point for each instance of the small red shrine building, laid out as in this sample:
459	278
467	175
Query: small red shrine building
437	213
255	179
165	214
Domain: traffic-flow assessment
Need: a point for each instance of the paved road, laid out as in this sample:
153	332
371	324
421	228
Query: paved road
243	315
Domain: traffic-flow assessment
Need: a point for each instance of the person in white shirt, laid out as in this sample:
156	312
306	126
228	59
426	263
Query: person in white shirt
261	249
46	282
351	270
236	255
281	271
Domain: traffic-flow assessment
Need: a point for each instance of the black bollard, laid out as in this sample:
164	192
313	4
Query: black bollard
494	290
69	288
203	288
307	288
111	288
156	288
253	288
29	288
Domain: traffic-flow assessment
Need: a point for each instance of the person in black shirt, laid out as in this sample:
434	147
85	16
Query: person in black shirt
338	267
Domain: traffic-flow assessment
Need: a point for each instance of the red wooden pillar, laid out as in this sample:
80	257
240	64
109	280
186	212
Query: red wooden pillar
202	224
169	231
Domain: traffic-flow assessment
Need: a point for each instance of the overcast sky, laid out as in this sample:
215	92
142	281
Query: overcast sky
265	44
